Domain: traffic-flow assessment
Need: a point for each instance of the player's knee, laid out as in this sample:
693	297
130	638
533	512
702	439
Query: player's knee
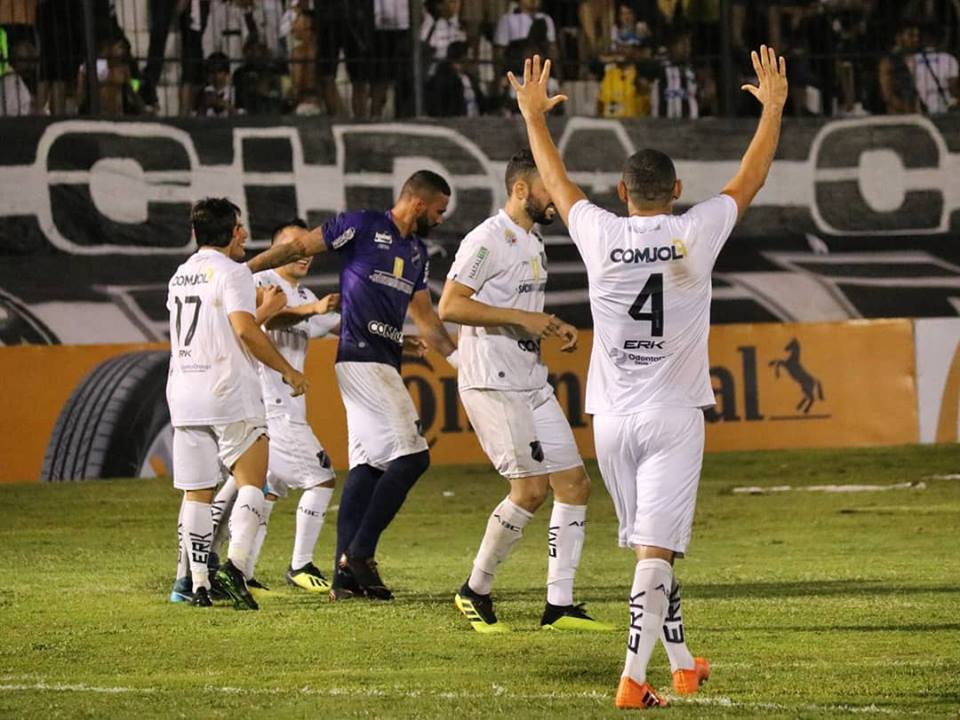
416	464
529	497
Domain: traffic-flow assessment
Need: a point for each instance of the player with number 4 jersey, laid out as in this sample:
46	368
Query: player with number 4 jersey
648	383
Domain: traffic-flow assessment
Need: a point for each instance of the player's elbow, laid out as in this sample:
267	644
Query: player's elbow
446	309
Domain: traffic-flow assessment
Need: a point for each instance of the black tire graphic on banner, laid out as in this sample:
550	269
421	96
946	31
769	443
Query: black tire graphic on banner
112	422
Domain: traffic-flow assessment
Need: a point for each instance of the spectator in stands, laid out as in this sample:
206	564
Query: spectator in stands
392	52
60	31
192	18
596	23
513	33
440	28
15	58
232	22
664	18
676	93
344	25
18	19
115	71
258	85
218	98
897	86
935	75
452	91
624	90
302	53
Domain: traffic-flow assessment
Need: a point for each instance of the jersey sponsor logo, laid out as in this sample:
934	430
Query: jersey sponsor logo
478	260
663	253
643	345
535	267
398	267
192	279
510	237
528	287
383	239
343	238
397	283
385	331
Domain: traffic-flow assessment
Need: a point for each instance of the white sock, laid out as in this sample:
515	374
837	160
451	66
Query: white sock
258	540
244	525
310	514
649	595
198	531
565	543
183	556
672	633
504	530
220	510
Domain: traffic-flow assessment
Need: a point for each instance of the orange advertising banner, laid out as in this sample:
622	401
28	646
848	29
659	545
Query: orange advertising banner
777	386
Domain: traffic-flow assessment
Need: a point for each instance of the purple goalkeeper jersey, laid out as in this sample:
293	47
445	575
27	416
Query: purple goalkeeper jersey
379	272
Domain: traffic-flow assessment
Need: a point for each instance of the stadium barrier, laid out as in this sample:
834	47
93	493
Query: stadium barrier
99	411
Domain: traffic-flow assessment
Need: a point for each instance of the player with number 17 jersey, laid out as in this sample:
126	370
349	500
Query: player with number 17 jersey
213	377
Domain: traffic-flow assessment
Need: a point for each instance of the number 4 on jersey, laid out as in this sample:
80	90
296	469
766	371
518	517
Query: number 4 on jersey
652	289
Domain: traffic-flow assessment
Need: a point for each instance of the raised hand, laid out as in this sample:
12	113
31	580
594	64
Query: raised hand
532	92
326	304
771	89
273	300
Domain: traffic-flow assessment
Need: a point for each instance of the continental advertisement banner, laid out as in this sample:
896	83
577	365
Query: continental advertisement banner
99	411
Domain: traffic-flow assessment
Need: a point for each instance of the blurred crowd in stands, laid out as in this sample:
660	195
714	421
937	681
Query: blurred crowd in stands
360	58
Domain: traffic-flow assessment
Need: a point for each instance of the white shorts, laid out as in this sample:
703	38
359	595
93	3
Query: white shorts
651	463
523	432
297	459
382	422
198	451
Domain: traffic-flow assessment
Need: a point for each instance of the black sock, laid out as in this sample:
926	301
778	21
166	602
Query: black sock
354	501
391	491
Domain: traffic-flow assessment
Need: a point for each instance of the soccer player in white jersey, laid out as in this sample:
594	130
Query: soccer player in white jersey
297	459
213	392
650	288
496	290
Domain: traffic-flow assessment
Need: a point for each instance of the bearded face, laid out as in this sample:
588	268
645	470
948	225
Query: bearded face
541	211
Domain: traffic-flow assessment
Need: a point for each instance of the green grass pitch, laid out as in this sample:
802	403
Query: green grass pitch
808	604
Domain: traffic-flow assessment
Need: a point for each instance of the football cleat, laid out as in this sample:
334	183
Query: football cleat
344	586
213	562
687	682
182	590
309	578
571	617
365	573
201	598
233	582
478	609
632	695
255	584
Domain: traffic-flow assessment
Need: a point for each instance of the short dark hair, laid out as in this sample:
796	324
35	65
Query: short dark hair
424	183
520	167
295	222
649	176
213	221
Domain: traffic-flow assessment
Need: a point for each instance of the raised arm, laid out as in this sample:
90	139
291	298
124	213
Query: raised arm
429	325
534	106
287	316
771	91
307	244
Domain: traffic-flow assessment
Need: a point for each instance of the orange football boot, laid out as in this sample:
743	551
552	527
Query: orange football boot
687	682
632	695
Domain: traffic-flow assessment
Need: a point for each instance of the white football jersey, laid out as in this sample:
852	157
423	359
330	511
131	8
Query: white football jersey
292	343
650	296
507	267
213	377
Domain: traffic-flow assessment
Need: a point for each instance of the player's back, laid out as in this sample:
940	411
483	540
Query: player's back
213	378
650	292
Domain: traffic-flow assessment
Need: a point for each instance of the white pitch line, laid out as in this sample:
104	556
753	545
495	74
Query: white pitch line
496	691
